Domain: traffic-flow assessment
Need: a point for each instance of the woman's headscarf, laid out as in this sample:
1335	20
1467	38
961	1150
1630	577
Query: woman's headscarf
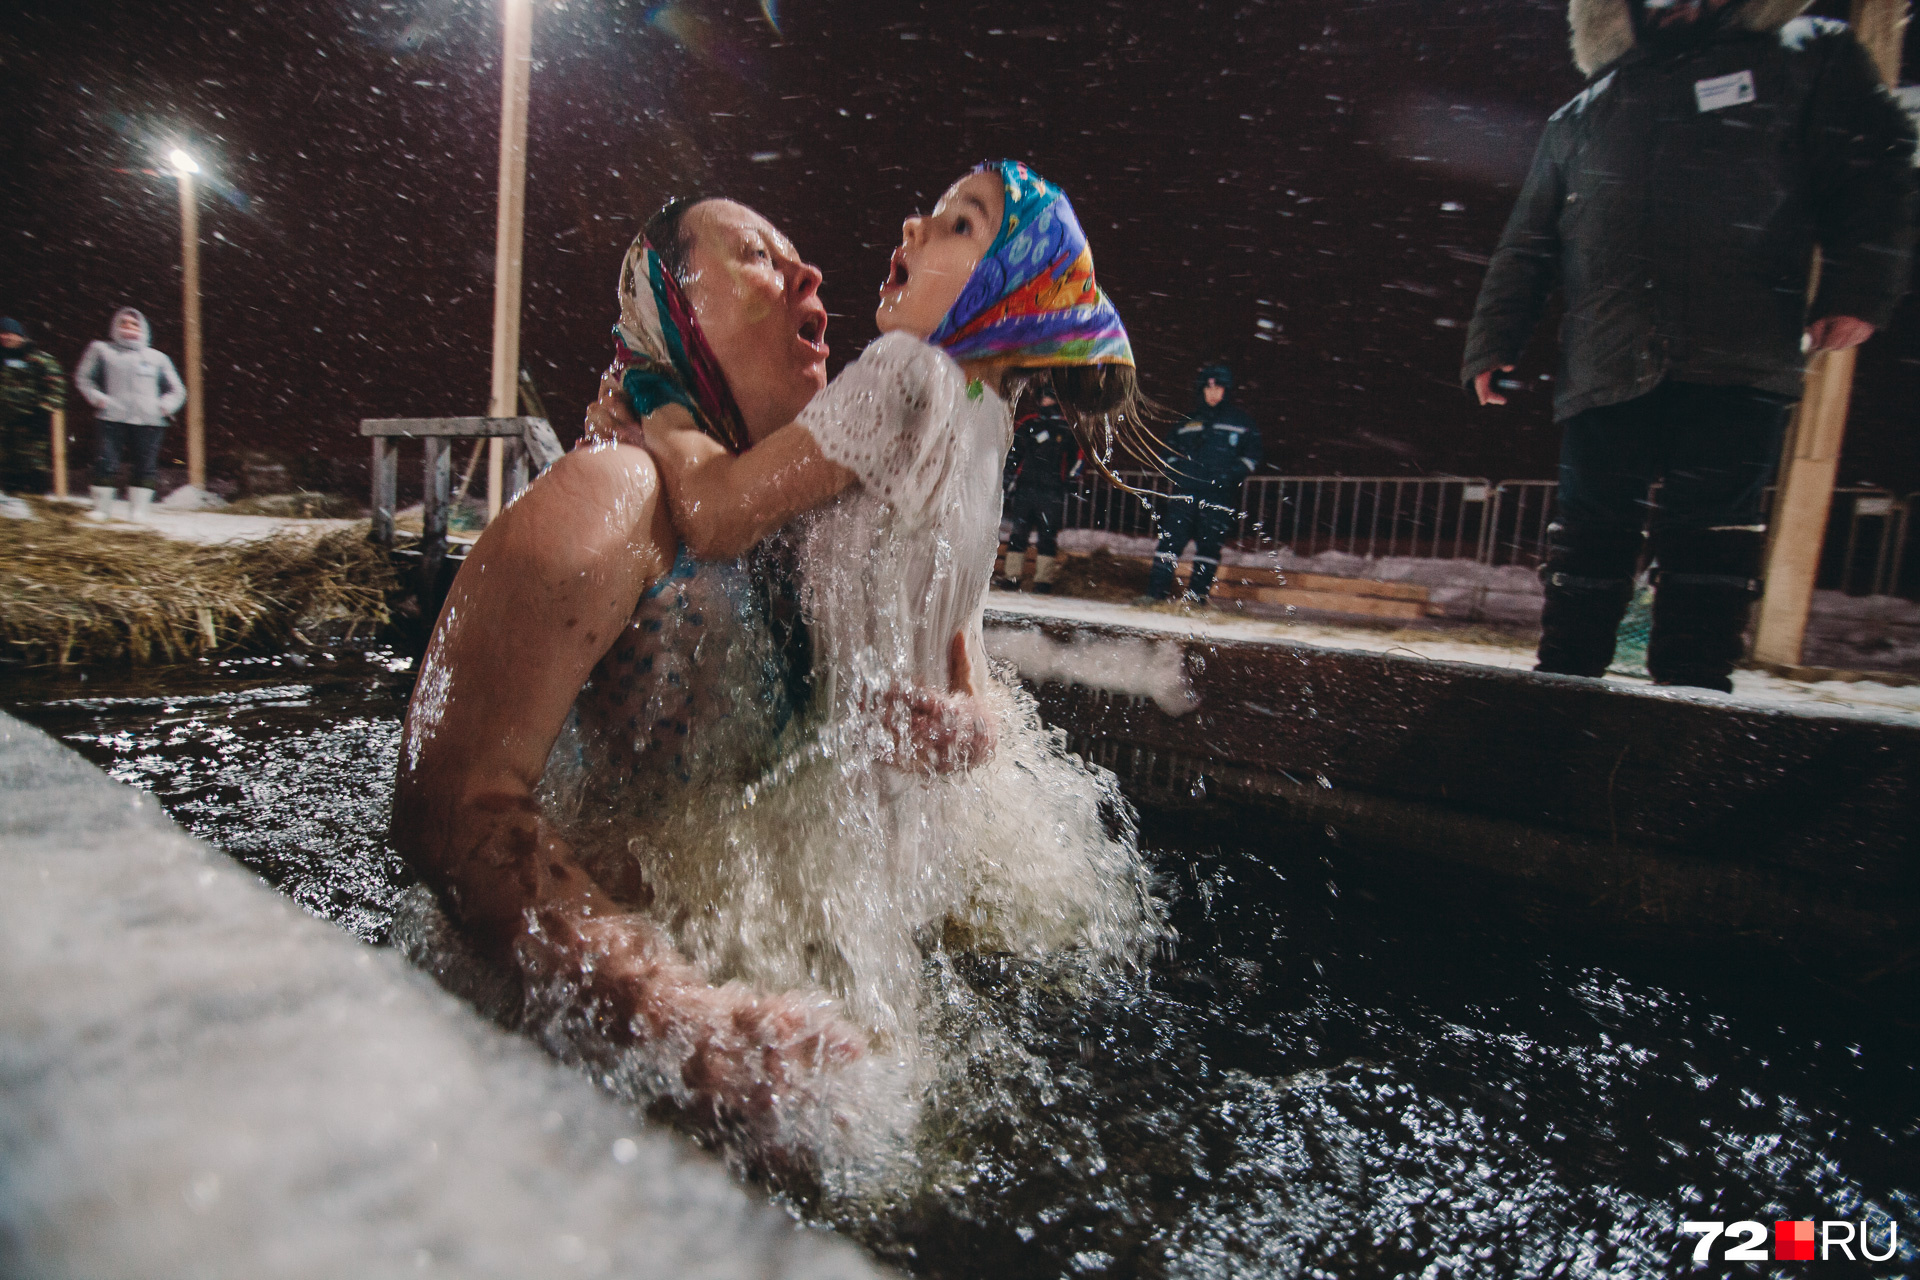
1032	301
664	356
665	359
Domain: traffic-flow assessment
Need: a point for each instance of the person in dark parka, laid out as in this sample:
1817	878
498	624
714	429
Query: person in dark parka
1042	465
1676	203
32	388
1210	457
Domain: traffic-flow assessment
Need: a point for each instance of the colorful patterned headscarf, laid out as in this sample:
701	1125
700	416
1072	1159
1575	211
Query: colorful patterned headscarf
1032	301
664	356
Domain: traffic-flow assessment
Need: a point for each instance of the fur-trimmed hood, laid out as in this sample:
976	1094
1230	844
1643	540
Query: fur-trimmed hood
1603	29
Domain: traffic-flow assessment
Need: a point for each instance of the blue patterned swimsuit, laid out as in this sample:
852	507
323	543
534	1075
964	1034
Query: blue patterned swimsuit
693	691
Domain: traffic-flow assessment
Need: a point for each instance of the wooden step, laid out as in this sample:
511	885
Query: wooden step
1252	577
1323	592
1324	601
1318	583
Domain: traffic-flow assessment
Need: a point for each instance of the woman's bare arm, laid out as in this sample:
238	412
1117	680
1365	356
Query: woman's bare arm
941	732
549	587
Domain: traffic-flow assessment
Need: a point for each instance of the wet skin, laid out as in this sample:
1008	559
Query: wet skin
723	504
549	603
549	588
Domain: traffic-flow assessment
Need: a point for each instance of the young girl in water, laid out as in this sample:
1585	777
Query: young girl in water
991	292
858	846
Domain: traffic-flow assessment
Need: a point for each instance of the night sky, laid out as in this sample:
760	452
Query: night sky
1307	188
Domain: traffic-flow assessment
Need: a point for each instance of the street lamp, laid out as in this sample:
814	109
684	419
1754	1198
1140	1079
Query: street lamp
515	72
184	167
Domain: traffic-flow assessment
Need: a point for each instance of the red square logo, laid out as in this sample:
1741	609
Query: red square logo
1793	1241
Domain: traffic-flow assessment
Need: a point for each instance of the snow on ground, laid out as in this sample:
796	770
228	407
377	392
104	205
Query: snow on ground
1750	688
216	527
1462	588
211	527
1853	633
1891	623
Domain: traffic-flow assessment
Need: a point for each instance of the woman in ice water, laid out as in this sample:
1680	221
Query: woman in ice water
991	292
826	877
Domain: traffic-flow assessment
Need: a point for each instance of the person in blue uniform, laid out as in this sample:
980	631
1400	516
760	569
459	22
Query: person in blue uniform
1042	465
1210	456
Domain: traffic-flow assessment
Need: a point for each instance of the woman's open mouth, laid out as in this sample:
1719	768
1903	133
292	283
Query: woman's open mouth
812	333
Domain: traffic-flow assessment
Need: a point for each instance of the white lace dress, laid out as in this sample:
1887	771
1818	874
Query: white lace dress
895	566
831	871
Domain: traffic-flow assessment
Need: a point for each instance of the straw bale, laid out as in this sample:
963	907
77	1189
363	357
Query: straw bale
72	592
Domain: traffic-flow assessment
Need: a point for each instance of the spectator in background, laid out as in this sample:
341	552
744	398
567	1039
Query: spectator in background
134	392
1677	203
1044	461
1210	457
32	386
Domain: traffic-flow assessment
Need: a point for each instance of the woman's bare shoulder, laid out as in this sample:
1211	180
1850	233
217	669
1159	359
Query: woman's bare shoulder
591	502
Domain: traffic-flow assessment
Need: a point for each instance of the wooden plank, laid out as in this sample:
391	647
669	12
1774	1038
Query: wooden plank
57	424
463	427
1805	495
1881	28
514	469
1323	601
435	505
516	73
436	497
1287	578
1799	528
386	484
190	313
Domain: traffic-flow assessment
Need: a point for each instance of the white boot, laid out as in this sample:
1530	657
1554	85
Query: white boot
102	502
138	500
1009	579
1044	570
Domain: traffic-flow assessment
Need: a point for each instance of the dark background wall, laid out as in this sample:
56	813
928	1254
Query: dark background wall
1307	188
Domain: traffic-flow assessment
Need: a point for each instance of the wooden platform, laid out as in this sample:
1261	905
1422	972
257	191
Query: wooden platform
1318	592
1323	593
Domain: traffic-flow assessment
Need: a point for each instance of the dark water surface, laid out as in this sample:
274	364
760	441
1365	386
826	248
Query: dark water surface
1335	1072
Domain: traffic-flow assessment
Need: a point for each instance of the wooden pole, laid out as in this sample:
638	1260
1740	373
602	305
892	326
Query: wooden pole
515	75
1812	460
190	307
58	428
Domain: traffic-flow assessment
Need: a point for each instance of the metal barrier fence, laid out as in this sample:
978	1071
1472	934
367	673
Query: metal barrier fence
1470	518
1428	517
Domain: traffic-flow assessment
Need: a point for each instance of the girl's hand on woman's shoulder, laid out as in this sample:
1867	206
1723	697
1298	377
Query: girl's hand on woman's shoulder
608	419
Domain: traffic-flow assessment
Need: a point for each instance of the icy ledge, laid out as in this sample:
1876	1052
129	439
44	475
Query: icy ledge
196	1078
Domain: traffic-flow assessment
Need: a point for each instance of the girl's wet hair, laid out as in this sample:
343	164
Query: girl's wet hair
669	237
1105	407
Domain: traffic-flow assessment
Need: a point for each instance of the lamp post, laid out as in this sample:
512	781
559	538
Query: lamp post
184	167
516	69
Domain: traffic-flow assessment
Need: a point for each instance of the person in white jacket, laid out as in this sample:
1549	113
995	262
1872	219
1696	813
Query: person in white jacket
134	392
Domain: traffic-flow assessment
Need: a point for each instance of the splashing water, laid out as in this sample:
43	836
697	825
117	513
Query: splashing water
795	860
809	856
1420	1072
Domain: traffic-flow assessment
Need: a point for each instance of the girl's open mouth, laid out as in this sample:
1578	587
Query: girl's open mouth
896	270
